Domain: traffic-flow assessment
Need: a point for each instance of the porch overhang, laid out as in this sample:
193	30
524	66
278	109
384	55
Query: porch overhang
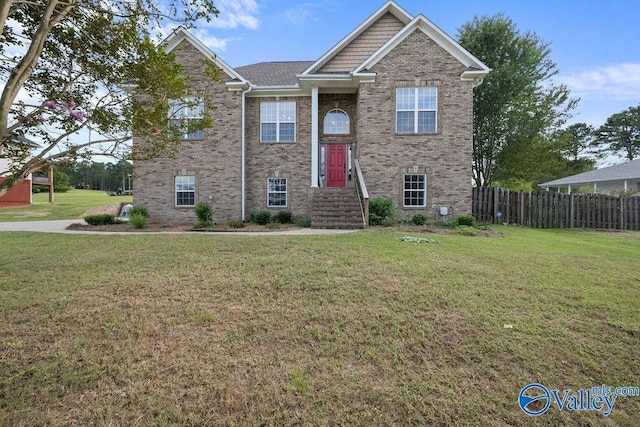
335	83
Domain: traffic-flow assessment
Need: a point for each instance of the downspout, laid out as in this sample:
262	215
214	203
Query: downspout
243	155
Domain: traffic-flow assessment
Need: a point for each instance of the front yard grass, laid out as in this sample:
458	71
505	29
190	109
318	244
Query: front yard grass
69	205
357	329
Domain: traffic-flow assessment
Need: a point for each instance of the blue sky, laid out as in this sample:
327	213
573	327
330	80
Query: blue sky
595	44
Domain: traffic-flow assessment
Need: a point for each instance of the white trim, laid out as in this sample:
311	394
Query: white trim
389	6
416	110
439	37
175	191
279	104
404	205
286	192
314	137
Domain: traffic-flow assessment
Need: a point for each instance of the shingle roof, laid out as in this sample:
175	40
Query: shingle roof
629	170
274	73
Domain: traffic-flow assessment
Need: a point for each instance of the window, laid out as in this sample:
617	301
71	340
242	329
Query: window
277	122
336	122
183	117
185	190
416	110
415	190
277	192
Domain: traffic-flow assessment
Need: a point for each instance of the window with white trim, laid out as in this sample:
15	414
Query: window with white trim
185	190
277	192
184	116
336	122
417	110
414	190
277	121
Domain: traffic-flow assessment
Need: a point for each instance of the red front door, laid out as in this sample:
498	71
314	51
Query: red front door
336	165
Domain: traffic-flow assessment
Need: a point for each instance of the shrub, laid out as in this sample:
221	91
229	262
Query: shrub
102	219
419	219
204	214
138	220
382	210
448	223
302	221
466	220
236	223
261	217
139	210
283	217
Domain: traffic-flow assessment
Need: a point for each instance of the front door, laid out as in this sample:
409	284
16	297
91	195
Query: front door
336	165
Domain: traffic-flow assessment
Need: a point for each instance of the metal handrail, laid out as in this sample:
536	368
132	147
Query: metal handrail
363	194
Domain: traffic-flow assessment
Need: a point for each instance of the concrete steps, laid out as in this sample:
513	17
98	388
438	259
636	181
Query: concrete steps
337	208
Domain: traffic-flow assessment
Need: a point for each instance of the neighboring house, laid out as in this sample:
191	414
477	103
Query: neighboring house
395	95
19	194
624	176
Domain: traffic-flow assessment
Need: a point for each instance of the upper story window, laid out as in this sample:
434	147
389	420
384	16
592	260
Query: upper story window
336	122
184	116
277	122
416	109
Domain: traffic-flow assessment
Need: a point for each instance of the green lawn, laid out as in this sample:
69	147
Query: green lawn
357	329
69	205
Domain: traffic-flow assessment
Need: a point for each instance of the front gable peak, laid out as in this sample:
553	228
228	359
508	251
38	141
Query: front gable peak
389	12
475	69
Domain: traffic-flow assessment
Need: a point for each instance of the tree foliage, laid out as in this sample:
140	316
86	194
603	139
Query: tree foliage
67	63
620	135
518	106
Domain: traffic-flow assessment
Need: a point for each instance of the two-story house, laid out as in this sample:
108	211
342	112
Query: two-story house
388	108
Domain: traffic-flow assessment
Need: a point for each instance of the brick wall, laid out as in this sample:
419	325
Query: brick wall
19	194
288	160
445	157
215	161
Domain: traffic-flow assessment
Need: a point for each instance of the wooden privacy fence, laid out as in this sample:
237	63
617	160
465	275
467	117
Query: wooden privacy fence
545	209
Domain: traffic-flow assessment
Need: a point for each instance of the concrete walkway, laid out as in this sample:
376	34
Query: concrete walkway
59	226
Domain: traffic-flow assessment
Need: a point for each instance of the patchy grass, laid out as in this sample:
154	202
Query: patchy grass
70	205
358	329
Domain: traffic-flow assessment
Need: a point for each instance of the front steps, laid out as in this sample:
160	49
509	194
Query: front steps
336	208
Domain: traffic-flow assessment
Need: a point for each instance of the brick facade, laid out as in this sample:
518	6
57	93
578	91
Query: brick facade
417	60
215	161
445	156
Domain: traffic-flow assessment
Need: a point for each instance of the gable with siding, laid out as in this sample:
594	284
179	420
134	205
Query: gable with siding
364	45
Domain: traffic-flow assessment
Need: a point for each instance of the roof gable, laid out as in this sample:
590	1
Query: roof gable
364	45
389	7
180	34
476	70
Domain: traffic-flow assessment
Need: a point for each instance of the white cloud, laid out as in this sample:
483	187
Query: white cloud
620	82
301	14
236	13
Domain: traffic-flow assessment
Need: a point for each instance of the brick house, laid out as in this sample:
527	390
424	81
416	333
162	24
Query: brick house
389	109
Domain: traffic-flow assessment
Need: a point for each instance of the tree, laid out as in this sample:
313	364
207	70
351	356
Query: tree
518	106
620	135
67	63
